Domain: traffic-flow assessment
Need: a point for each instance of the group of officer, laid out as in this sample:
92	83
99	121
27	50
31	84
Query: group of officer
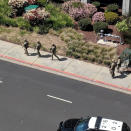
115	65
38	47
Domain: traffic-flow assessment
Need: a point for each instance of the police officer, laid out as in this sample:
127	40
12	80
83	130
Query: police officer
26	46
118	64
112	68
53	51
38	47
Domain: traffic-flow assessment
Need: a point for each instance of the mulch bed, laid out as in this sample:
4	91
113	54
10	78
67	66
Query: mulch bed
92	37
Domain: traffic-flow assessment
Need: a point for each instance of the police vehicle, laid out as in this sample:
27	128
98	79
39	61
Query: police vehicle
93	124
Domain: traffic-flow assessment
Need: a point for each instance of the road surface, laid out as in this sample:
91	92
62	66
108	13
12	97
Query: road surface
34	100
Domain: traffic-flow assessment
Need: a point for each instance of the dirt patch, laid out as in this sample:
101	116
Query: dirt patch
89	36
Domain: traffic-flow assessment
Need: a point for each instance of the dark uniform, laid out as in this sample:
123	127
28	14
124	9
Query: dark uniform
38	46
26	45
112	69
118	64
53	51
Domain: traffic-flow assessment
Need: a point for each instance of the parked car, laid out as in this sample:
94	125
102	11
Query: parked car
92	124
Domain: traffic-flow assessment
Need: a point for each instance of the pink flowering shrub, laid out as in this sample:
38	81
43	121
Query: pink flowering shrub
78	10
37	14
92	9
78	13
98	16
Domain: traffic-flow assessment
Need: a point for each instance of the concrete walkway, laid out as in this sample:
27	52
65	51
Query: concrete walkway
68	67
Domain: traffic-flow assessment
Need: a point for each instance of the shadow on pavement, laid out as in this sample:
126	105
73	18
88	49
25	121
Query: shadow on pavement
123	75
46	56
32	54
63	59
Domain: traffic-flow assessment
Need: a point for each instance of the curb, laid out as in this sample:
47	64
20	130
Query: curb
67	73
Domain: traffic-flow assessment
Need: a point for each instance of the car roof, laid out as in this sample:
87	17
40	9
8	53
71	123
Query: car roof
105	124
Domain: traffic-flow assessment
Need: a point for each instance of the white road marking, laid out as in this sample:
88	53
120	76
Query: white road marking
1	81
59	99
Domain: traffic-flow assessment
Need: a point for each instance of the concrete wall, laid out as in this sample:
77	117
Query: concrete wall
126	8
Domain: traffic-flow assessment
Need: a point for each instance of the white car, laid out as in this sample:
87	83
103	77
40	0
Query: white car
93	124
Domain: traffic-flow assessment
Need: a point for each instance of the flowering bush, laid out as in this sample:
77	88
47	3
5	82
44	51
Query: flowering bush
37	14
17	3
20	3
99	16
77	13
92	9
79	10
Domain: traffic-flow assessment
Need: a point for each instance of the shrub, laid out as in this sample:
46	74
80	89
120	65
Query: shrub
35	16
77	4
98	16
85	24
111	17
23	24
128	21
127	37
42	2
76	55
77	10
107	62
122	26
92	9
4	8
17	3
11	22
4	20
58	18
96	4
21	3
43	29
112	8
100	26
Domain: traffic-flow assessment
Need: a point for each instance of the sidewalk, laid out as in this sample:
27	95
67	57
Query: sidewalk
70	67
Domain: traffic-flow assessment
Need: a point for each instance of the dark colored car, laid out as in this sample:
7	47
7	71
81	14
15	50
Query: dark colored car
93	124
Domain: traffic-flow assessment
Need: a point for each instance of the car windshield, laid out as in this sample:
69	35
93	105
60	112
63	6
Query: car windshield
82	125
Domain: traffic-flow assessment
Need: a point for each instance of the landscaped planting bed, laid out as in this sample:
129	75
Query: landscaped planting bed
63	21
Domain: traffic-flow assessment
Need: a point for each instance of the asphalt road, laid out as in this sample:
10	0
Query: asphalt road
33	100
